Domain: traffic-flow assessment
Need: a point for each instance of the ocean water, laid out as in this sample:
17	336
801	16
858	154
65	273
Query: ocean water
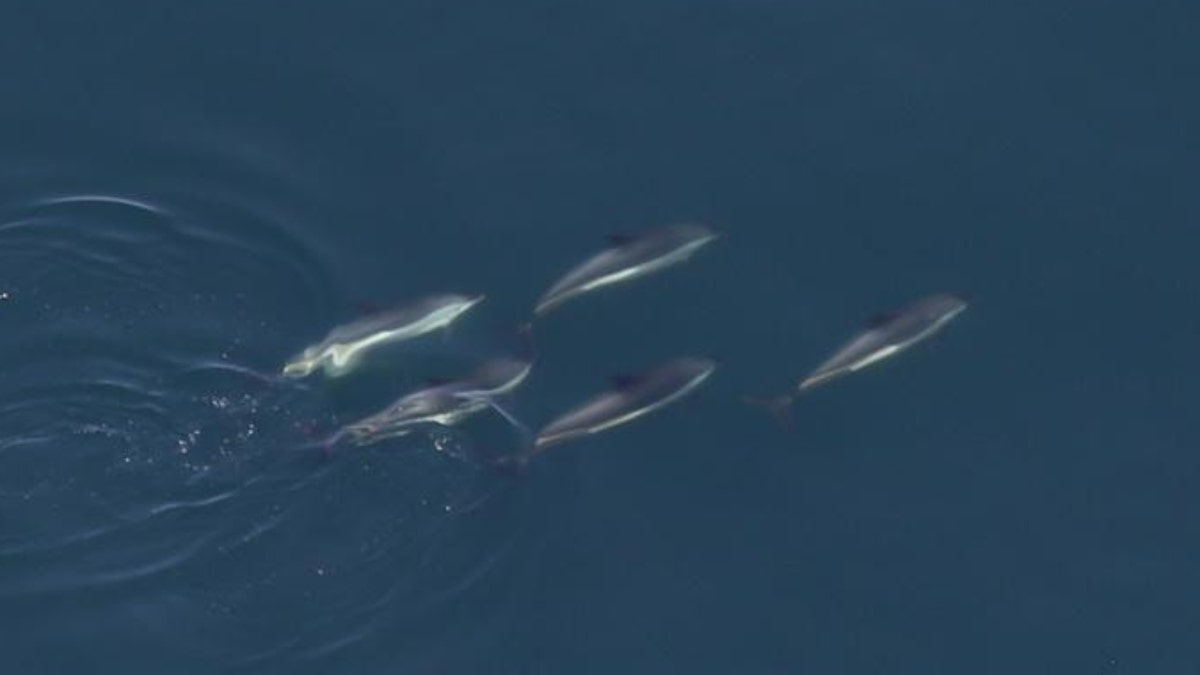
191	193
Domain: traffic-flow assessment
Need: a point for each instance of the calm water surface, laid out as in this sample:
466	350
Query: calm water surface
191	194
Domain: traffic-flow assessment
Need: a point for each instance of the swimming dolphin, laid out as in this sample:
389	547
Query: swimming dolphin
345	345
632	398
445	404
630	257
886	335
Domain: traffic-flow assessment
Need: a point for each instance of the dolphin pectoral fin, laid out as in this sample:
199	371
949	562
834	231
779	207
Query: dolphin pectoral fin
780	408
447	333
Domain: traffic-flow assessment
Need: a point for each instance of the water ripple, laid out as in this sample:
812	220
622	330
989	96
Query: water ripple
150	455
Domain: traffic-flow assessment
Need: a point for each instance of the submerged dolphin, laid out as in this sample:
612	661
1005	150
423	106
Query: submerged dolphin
632	398
341	350
445	404
886	335
629	258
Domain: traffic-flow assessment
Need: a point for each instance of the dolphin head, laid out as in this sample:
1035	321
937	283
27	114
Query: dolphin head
469	302
943	306
451	306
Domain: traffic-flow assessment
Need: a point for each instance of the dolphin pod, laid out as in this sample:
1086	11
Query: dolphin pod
627	259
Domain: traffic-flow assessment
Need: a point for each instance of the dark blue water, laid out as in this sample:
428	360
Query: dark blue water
190	193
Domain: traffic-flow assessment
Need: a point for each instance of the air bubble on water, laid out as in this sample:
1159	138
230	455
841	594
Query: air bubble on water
90	429
188	441
248	432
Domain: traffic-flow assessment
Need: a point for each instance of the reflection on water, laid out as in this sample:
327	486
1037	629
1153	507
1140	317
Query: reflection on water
154	467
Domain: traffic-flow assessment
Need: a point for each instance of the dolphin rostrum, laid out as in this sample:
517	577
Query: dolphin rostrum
886	335
628	258
345	345
632	398
443	404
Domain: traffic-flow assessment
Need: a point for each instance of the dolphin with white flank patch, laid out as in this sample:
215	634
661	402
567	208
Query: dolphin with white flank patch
443	404
628	258
632	398
344	347
885	336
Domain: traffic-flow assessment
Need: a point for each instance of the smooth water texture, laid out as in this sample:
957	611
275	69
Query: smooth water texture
189	195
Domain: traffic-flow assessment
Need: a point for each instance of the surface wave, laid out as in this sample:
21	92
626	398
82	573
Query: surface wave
149	453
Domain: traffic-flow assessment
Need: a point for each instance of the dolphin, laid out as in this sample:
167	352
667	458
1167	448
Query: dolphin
885	336
628	258
445	404
342	349
632	398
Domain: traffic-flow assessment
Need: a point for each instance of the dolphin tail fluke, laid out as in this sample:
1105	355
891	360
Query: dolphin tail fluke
780	408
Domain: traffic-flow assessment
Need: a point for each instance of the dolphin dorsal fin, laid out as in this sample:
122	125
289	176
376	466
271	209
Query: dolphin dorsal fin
620	238
624	381
881	318
367	307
